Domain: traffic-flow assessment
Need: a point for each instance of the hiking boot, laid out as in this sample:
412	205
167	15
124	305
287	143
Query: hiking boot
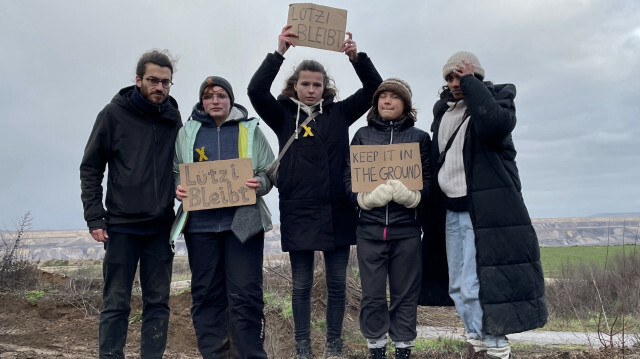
333	349
378	353
473	354
303	349
403	353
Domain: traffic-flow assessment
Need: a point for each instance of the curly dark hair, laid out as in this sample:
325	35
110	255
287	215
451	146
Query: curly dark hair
328	84
162	58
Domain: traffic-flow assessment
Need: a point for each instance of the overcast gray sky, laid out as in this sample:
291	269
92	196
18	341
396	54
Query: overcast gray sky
576	65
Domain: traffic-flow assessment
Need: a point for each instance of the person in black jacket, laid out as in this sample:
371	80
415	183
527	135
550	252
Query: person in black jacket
134	135
495	275
315	213
388	230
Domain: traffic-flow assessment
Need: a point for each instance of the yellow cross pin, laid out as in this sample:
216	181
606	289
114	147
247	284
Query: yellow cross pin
307	131
200	151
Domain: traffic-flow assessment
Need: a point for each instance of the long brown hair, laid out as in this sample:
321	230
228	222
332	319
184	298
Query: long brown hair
314	66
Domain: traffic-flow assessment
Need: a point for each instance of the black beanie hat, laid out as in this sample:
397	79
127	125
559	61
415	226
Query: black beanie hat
217	81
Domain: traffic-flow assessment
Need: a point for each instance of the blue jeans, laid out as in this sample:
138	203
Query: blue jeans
463	277
302	275
123	251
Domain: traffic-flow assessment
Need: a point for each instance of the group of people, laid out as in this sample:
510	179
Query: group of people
464	238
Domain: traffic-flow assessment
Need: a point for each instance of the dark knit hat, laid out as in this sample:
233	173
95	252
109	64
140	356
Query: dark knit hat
398	87
217	81
456	59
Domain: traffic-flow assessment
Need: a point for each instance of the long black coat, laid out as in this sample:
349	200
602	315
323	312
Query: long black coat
507	249
315	213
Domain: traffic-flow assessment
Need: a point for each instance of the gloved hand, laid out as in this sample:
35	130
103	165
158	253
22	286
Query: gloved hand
402	195
379	197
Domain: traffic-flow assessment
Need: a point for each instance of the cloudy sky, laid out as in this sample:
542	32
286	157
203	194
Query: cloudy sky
576	64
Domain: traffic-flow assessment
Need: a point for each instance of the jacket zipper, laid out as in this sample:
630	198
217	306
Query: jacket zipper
219	157
155	174
386	220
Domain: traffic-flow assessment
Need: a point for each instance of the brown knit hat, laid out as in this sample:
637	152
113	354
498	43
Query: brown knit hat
397	86
456	59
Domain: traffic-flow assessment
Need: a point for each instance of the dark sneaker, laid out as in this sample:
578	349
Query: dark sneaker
378	353
333	349
403	353
303	350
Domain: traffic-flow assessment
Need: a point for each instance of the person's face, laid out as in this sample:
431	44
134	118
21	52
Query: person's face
216	103
309	87
453	82
155	94
390	106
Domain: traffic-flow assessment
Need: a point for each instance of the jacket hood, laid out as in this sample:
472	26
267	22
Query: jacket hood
238	113
130	97
380	124
326	101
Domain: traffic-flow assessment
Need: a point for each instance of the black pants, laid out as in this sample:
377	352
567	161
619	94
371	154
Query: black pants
302	272
226	288
401	262
123	251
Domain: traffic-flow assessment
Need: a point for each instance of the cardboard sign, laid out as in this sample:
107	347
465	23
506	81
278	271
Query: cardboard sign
217	184
318	26
374	165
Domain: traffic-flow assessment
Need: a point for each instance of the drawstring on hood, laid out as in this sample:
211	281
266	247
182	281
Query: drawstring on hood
308	109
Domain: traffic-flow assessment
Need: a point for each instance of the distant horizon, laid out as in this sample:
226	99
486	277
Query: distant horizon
593	216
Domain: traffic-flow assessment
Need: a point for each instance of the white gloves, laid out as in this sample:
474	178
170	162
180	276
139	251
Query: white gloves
385	193
402	195
379	197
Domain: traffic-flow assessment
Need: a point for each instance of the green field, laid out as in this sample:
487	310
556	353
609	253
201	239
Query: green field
554	258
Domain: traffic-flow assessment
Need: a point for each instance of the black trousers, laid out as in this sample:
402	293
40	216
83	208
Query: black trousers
123	251
401	262
226	289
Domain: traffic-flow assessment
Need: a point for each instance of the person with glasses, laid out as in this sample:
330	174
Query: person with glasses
315	212
225	245
134	136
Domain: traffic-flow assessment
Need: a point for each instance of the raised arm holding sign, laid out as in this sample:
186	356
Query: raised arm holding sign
315	213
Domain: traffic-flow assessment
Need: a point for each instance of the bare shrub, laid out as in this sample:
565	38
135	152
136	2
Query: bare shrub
17	272
602	295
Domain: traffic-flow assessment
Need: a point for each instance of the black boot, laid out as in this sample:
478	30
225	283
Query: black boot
303	349
378	353
333	349
403	353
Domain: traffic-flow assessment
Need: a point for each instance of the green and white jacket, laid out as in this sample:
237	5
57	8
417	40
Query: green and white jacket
253	144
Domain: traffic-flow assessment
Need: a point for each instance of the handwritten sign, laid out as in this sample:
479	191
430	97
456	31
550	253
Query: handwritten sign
375	165
217	184
318	26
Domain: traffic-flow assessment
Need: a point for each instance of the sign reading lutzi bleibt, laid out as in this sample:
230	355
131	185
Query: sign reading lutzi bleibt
318	26
376	164
217	184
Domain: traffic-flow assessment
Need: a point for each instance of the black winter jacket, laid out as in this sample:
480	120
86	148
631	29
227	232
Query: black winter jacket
399	221
315	213
507	249
138	147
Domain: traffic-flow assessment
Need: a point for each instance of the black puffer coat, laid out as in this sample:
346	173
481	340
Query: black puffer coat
405	221
315	213
507	249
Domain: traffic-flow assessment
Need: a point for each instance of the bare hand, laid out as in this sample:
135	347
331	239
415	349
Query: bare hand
181	193
466	68
349	48
284	39
100	235
253	183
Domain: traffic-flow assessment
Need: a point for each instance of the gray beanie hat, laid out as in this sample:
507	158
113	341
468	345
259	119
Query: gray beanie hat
217	81
456	59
